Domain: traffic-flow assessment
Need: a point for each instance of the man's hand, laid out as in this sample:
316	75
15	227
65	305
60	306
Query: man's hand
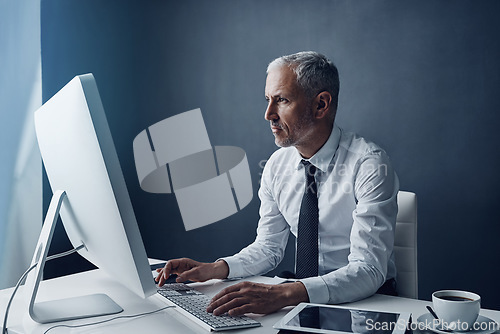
191	270
247	297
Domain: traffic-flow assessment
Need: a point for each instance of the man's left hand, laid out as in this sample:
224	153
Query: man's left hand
248	297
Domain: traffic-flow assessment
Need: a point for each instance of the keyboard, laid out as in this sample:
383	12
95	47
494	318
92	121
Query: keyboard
193	304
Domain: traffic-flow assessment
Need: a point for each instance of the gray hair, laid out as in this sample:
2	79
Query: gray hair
315	73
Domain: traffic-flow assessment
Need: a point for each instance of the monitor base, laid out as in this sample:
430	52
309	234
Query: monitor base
74	308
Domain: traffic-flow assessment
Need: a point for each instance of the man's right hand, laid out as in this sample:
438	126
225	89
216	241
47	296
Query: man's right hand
191	270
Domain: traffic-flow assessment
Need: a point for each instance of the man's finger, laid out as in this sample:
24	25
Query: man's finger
185	276
173	267
166	270
225	299
233	303
160	279
243	309
225	291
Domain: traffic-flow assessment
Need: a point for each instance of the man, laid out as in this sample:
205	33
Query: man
331	188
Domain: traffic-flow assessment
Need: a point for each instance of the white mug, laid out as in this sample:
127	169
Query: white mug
458	310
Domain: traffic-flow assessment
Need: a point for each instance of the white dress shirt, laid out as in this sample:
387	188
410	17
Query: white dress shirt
357	192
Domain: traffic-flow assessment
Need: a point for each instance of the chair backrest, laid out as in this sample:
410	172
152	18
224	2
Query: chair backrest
405	245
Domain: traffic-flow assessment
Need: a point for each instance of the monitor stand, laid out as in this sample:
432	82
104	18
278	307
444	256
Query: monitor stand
62	309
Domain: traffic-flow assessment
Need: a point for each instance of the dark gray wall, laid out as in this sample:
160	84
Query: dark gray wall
420	78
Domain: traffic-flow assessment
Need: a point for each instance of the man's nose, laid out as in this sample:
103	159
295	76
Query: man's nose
271	114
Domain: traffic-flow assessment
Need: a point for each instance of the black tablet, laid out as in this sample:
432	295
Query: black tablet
319	318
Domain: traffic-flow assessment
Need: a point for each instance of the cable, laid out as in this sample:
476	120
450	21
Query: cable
52	257
112	319
71	251
12	296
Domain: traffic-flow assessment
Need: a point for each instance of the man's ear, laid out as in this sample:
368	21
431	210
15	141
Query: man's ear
322	104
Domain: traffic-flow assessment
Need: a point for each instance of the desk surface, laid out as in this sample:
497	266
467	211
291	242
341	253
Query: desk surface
166	321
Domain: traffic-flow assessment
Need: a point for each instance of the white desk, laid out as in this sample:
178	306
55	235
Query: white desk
167	321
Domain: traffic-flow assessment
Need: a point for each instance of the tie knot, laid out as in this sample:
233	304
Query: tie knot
309	168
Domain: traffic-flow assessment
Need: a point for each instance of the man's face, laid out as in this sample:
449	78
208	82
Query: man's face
288	110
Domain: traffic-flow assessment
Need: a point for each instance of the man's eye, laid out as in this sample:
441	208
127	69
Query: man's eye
282	99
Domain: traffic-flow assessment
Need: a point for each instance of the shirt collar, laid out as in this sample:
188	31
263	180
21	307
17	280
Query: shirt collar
324	156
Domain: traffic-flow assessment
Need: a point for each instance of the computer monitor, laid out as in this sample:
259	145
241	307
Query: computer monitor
91	197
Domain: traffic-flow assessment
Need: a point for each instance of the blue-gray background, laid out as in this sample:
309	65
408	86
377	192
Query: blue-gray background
420	78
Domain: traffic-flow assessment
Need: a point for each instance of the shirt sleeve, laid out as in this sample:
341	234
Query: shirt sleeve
267	251
375	187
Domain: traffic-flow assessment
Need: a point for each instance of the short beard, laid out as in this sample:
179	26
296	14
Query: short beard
301	129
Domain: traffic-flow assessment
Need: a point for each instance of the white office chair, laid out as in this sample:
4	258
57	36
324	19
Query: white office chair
405	245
